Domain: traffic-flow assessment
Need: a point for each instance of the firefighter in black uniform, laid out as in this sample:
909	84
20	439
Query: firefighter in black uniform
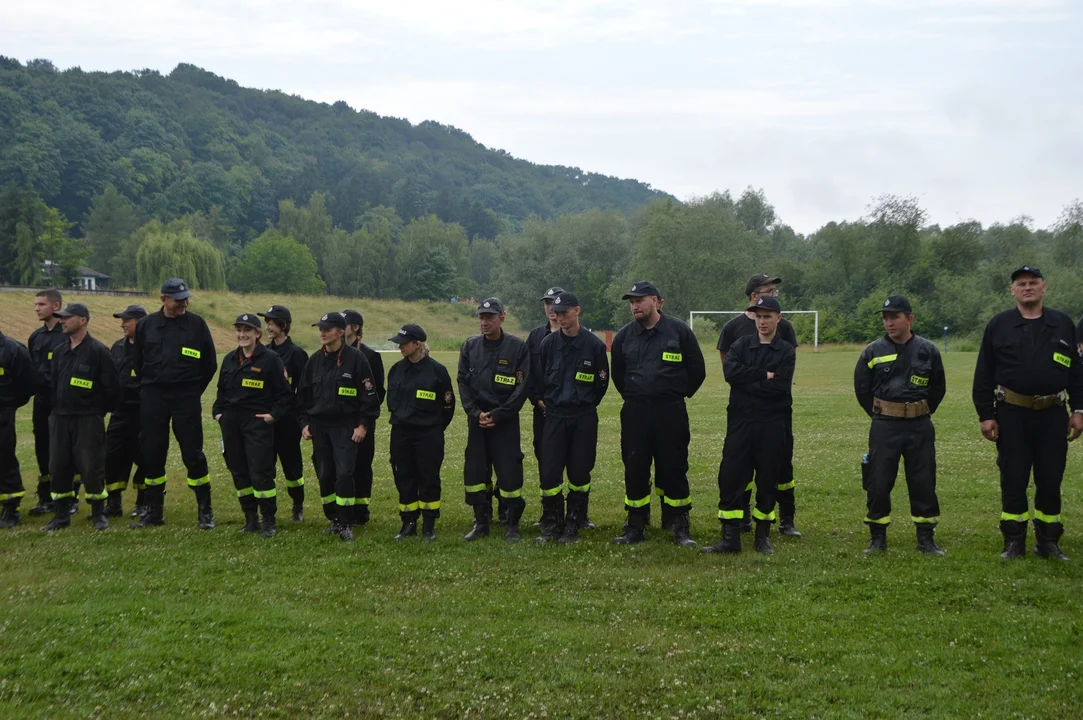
175	359
493	378
422	405
899	382
763	285
122	449
355	332
657	363
575	378
85	387
1025	364
41	345
759	369
338	408
253	394
18	382
287	428
534	386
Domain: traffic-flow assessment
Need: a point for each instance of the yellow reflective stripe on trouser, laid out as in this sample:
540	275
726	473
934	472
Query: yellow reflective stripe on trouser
731	514
480	487
4	497
786	486
295	483
511	493
886	520
637	503
196	482
103	495
408	508
925	520
750	486
770	517
882	359
552	492
434	505
675	502
116	486
343	502
1008	517
151	482
61	496
246	491
1042	517
578	488
362	501
659	491
266	493
329	499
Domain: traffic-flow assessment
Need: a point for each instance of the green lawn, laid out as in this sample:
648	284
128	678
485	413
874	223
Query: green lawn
175	622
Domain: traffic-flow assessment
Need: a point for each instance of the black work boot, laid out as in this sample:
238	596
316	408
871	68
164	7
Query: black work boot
483	516
61	516
877	538
633	530
203	507
298	514
667	516
763	532
409	525
97	515
155	505
570	533
297	494
269	508
786	512
1015	539
9	515
501	509
45	498
552	519
73	506
114	506
729	542
140	508
746	520
926	544
511	527
682	530
585	523
251	514
428	525
1046	538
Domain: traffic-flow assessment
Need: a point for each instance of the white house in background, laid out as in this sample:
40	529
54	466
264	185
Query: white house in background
88	279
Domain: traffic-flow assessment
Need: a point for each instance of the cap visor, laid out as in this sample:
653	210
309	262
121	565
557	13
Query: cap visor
179	296
63	314
399	340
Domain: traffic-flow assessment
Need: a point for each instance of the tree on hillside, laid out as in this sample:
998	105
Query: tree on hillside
276	263
34	242
111	221
165	253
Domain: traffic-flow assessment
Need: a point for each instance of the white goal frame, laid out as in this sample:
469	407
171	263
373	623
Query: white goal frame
814	313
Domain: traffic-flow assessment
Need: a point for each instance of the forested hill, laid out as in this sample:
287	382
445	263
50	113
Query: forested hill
192	141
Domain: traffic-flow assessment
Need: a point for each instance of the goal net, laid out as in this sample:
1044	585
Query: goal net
806	323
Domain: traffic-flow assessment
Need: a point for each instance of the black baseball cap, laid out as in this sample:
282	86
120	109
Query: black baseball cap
766	303
176	288
642	288
278	313
551	293
132	311
897	303
249	320
758	280
1027	270
73	309
353	318
331	320
490	306
409	333
564	301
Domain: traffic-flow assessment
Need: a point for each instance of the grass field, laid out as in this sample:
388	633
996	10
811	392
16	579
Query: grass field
175	622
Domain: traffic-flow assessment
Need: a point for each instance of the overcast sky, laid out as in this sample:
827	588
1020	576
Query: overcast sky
973	106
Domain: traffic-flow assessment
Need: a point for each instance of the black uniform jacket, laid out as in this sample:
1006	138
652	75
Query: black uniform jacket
742	325
419	394
123	353
174	351
84	379
18	376
253	385
377	364
294	358
494	377
42	344
536	381
1030	357
575	373
752	395
337	389
663	363
903	373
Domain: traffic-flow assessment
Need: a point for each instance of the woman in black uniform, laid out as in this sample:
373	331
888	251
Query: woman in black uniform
422	404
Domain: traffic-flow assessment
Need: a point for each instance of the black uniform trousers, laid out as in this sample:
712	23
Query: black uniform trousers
1029	439
122	451
334	455
914	441
785	494
77	446
655	432
539	427
416	456
751	451
11	479
362	476
493	449
42	409
248	445
287	446
158	405
569	443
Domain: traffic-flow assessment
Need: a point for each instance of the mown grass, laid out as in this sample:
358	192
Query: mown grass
176	622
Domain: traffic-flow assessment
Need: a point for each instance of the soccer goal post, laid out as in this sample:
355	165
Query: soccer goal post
785	313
